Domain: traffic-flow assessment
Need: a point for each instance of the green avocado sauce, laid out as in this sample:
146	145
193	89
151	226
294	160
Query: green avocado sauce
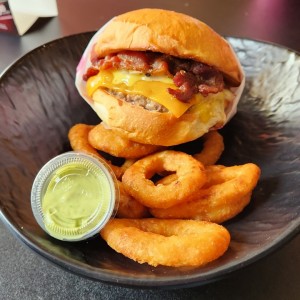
76	199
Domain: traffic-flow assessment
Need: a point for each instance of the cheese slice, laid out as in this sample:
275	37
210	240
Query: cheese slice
152	87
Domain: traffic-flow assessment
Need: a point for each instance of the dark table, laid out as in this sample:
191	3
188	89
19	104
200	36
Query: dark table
24	275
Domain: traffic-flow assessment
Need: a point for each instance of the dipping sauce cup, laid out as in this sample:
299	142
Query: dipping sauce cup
73	196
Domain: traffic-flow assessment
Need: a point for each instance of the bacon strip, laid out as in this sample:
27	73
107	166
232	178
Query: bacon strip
189	76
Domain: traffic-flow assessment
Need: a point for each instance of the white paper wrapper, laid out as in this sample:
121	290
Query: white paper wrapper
236	91
85	63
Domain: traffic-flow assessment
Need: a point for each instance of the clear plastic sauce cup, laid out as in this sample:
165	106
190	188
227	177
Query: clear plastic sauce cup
73	196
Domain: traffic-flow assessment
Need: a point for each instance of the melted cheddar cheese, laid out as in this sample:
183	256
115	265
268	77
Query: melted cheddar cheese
152	87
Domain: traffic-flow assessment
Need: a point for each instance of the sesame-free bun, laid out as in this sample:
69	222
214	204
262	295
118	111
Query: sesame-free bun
150	127
171	33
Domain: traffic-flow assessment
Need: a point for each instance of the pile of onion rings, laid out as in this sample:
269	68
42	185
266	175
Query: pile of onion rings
226	193
171	202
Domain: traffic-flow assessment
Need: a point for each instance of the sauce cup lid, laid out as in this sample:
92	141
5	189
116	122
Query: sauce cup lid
74	195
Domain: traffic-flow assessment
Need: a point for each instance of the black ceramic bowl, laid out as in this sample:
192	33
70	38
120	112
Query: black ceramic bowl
39	103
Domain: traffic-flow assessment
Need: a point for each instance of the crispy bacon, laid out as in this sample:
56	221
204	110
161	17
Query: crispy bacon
189	76
110	62
187	86
159	66
91	71
196	78
133	60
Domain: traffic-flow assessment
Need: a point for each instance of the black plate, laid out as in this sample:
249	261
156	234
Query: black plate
39	103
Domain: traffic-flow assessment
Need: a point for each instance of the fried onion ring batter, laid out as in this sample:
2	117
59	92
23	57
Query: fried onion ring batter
78	137
129	207
225	194
110	141
174	243
213	148
190	178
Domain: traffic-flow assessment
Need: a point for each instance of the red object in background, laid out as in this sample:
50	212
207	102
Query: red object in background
6	19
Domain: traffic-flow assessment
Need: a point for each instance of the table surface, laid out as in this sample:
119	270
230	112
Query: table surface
24	275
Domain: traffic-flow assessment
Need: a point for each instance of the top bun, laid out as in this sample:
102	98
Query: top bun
175	34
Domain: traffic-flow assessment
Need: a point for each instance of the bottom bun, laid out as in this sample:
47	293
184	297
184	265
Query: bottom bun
150	127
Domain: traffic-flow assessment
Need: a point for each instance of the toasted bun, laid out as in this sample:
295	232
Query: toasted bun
174	34
149	127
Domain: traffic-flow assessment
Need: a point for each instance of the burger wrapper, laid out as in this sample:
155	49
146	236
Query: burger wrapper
85	63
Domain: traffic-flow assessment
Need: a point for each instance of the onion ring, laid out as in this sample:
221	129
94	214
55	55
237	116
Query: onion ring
174	243
129	207
190	172
213	148
78	137
112	142
226	193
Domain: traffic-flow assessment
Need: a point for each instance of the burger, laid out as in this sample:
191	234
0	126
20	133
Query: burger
160	77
